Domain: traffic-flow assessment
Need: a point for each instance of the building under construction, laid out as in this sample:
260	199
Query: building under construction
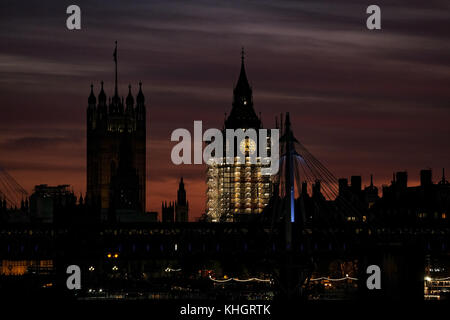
237	189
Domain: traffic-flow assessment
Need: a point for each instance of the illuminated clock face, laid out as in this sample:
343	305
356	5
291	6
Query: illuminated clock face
248	145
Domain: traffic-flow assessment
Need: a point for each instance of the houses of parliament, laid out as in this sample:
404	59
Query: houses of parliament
116	160
116	152
116	176
337	227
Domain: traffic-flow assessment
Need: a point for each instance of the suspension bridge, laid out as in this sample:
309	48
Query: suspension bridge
11	192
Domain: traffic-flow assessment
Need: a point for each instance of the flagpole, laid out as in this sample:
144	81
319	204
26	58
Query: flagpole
115	60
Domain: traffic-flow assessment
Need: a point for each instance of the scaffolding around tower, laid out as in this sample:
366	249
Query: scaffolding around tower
236	190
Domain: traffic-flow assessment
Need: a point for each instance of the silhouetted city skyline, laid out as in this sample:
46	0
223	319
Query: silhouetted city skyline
344	88
199	155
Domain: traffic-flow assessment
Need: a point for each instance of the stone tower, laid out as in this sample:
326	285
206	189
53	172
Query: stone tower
116	151
181	205
237	190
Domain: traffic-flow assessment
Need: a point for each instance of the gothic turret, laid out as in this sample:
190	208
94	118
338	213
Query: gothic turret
140	97
102	109
102	96
181	205
91	111
181	196
140	106
92	100
129	101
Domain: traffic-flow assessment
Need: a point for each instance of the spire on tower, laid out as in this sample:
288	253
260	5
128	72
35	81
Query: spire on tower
92	100
242	85
140	97
242	114
181	194
102	95
130	99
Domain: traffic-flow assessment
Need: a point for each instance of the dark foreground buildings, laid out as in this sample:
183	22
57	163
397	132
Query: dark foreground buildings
400	205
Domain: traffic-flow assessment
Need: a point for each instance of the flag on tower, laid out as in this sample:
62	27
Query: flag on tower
115	62
115	53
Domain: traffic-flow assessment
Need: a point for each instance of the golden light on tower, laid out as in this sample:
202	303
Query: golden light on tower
237	187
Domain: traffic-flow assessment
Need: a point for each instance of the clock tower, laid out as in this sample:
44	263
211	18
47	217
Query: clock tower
237	190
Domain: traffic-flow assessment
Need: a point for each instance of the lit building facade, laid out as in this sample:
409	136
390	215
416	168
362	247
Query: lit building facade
237	188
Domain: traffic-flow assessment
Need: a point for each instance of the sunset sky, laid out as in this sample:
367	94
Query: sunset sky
363	102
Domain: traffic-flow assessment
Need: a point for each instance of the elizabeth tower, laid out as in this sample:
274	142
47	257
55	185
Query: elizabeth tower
238	190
